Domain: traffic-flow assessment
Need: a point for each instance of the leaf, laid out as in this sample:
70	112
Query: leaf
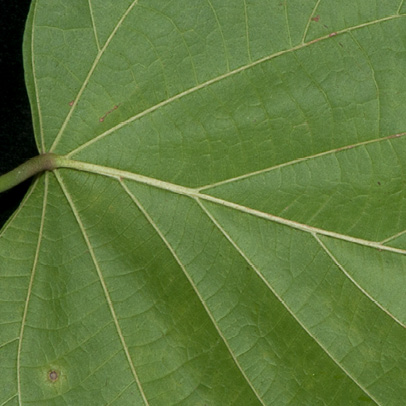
227	222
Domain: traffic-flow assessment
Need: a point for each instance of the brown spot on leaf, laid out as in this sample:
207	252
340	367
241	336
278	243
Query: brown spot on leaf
53	375
316	18
396	135
101	119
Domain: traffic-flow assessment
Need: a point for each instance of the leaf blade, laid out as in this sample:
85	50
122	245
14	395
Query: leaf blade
227	223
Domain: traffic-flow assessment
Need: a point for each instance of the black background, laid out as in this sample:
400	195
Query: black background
16	133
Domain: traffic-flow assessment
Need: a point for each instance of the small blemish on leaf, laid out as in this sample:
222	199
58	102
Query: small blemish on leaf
396	135
71	102
379	183
101	119
333	34
53	375
316	18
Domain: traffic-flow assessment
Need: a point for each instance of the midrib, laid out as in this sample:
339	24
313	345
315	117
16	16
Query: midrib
120	175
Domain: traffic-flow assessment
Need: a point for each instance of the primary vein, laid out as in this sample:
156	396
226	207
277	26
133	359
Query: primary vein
118	174
103	283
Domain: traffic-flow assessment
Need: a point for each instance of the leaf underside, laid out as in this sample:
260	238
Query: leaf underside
231	227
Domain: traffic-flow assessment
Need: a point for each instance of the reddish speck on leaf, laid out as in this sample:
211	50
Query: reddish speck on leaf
53	375
316	18
101	119
71	102
397	135
332	34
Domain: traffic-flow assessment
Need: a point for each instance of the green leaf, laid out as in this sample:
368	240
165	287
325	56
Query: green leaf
226	225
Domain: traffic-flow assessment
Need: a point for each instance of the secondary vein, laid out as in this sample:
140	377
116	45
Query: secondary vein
299	160
341	267
269	286
90	73
217	79
194	287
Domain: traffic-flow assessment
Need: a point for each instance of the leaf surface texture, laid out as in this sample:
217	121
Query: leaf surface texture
229	226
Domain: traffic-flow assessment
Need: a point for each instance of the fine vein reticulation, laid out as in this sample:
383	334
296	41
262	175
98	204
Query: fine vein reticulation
29	290
89	75
104	286
199	195
182	266
191	90
256	270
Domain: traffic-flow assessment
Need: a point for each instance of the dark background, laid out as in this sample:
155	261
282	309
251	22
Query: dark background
16	133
